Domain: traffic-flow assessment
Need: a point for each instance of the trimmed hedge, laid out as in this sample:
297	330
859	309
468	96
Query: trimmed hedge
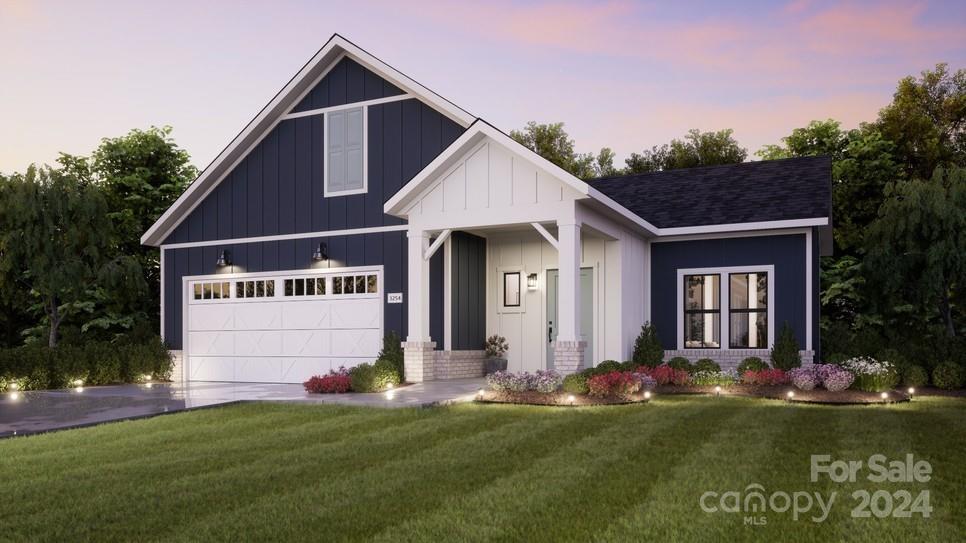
706	365
374	377
681	363
37	367
575	383
752	363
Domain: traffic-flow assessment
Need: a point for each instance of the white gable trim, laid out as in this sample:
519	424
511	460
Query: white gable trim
300	85
399	204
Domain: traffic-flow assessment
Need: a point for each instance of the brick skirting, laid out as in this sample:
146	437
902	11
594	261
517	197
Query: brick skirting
459	364
729	359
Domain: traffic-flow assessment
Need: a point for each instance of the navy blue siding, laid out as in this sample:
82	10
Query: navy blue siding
468	291
277	188
347	82
785	252
387	249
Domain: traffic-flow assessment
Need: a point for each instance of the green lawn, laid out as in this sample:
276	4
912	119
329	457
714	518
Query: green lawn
471	472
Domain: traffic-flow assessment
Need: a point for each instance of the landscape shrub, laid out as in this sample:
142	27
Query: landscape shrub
681	363
392	353
36	366
872	375
334	382
575	383
712	378
629	365
546	381
836	358
373	377
803	378
662	374
785	355
680	378
947	376
616	383
706	365
648	350
767	377
752	363
608	366
915	376
836	379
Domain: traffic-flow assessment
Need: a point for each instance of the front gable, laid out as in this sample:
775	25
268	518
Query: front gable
269	180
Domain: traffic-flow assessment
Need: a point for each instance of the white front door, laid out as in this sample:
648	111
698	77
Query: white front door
586	313
283	327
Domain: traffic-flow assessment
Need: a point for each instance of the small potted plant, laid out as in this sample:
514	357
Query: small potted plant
496	347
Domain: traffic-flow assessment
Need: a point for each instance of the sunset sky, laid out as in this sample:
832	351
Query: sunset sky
627	75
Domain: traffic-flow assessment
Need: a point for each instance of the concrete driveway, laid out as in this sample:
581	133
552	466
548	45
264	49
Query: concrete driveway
43	411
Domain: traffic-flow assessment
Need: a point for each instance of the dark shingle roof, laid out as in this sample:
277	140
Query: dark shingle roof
769	190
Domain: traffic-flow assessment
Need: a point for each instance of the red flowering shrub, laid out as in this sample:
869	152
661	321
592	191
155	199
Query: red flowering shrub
662	374
336	381
680	378
765	377
615	383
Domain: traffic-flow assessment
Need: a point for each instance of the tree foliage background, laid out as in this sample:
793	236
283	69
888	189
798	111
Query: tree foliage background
71	262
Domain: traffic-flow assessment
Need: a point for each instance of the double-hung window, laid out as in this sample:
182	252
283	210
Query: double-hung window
702	311
345	151
748	308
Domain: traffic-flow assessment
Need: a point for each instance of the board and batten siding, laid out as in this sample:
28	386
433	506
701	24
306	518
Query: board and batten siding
277	189
785	252
468	295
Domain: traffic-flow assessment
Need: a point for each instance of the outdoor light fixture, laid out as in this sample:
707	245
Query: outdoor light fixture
14	396
224	259
79	389
389	386
532	281
480	393
885	395
912	391
78	382
147	377
647	394
570	399
14	386
717	390
389	394
791	394
321	252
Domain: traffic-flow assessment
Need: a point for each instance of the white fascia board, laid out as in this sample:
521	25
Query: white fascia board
743	226
328	56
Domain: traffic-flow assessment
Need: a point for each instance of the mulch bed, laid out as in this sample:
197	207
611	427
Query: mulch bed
818	395
560	399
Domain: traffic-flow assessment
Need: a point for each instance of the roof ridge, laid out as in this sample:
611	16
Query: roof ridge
708	167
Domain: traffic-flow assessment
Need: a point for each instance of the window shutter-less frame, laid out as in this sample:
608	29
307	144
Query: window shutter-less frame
345	151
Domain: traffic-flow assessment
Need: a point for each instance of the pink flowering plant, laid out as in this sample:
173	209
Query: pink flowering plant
803	378
543	381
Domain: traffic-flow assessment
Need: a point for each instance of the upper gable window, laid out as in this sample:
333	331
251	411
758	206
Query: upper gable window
345	151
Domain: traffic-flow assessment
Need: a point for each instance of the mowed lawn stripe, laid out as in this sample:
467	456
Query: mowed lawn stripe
143	441
208	474
540	501
711	461
341	507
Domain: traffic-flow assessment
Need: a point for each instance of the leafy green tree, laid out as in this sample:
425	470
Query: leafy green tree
917	246
927	121
553	143
57	241
818	138
140	174
696	149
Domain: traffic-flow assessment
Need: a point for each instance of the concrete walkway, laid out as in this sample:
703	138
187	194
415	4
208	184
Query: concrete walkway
42	411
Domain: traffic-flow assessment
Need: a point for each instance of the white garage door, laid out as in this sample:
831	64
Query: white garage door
282	328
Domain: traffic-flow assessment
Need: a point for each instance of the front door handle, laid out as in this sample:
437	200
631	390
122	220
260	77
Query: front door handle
550	332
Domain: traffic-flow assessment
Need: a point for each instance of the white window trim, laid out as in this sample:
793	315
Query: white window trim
365	153
725	293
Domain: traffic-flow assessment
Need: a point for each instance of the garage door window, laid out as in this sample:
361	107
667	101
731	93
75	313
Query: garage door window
355	284
305	286
255	289
212	291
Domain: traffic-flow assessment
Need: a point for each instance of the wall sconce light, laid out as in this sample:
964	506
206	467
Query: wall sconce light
532	281
321	252
224	259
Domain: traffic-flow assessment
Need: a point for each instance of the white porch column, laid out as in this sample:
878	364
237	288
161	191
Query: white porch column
568	350
418	347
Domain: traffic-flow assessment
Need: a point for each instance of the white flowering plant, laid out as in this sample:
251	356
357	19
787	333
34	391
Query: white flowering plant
872	375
